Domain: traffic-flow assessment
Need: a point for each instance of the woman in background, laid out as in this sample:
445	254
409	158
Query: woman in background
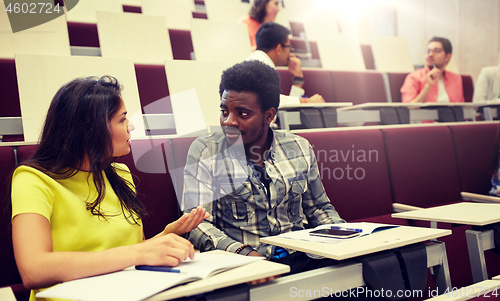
75	212
262	11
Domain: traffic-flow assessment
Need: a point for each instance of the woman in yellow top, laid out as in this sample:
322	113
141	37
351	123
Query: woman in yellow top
74	210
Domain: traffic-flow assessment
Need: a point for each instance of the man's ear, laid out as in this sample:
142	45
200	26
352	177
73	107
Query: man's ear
269	115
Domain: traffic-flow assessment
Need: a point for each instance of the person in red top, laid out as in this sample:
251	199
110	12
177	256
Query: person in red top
432	83
262	11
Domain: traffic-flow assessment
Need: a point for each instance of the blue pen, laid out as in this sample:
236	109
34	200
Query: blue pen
156	268
348	229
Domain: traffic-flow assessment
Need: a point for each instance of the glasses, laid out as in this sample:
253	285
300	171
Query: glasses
435	50
285	46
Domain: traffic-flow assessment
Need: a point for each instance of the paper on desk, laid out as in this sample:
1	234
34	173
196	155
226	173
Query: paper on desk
134	285
368	228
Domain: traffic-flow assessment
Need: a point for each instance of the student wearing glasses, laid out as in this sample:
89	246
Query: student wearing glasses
274	49
432	83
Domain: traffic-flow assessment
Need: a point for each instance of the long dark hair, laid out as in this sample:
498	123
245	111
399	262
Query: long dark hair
258	10
76	131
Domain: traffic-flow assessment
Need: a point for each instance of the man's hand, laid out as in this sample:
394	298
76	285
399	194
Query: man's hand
295	66
316	98
433	76
262	280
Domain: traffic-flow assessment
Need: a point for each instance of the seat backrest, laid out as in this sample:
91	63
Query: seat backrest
396	80
320	82
468	87
152	86
285	81
182	45
473	145
353	169
9	274
10	93
24	152
422	165
153	183
83	34
358	87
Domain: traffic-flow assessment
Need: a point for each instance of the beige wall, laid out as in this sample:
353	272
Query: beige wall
471	25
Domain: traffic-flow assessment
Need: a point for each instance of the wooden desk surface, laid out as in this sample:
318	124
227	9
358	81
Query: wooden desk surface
253	271
353	247
477	214
315	105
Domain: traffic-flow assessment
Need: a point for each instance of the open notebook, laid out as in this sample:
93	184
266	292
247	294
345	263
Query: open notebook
131	284
364	228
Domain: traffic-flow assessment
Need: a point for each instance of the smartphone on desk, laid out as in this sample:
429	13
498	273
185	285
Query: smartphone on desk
335	233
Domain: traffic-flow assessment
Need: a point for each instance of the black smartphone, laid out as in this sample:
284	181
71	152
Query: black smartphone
335	233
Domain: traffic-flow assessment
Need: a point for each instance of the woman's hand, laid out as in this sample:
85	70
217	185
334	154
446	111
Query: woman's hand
168	249
187	222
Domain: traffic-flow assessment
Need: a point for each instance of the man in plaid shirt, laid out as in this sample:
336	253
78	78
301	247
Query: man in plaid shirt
254	182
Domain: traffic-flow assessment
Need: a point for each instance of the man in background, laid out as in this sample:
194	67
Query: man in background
433	83
274	49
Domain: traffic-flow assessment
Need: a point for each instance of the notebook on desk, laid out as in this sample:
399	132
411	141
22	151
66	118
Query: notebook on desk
363	228
132	284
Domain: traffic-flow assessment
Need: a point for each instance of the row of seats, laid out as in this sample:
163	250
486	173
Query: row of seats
364	172
334	86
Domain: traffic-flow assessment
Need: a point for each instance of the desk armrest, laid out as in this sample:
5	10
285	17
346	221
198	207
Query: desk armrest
480	198
398	207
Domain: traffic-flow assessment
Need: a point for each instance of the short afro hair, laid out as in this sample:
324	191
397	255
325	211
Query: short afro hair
253	76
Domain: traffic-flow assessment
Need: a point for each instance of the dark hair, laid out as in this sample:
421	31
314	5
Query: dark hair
445	42
271	35
76	129
258	10
256	77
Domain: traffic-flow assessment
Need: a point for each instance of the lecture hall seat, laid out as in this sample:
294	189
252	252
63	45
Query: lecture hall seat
396	80
182	45
358	87
153	183
473	145
9	98
468	87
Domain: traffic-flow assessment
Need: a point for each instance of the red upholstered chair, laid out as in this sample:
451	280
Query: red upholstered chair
153	183
182	44
152	85
353	169
319	82
9	98
285	80
199	15
132	9
83	34
358	87
423	173
422	165
473	144
25	152
468	87
9	274
396	80
316	82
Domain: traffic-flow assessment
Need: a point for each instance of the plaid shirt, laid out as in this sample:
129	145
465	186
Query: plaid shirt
222	179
